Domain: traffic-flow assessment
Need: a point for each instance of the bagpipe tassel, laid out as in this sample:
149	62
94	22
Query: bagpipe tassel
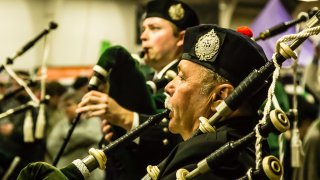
28	127
296	149
41	122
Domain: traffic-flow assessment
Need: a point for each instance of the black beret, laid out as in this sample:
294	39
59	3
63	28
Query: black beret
227	52
174	11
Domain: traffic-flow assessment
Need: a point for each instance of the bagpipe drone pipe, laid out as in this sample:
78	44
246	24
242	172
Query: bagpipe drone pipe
277	122
269	168
282	27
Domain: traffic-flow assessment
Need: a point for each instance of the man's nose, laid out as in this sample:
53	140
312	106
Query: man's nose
169	89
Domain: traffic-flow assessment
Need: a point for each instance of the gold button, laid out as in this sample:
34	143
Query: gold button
165	130
165	142
164	120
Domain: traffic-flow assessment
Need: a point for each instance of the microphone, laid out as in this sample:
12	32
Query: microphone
279	28
160	83
52	25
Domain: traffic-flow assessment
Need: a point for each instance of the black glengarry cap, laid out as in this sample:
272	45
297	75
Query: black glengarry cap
224	51
177	12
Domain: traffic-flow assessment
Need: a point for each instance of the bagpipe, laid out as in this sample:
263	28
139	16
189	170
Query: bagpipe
270	168
279	28
160	83
258	79
295	138
277	122
25	86
30	44
30	104
27	103
126	84
246	89
29	83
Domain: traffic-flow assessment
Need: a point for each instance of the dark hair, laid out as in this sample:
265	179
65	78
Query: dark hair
55	88
80	82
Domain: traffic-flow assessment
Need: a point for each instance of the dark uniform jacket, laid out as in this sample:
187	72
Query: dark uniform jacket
128	87
185	155
188	153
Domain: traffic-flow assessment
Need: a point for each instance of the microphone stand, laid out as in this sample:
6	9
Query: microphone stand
52	25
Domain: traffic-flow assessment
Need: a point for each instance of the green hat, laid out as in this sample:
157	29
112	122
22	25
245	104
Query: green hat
174	11
226	52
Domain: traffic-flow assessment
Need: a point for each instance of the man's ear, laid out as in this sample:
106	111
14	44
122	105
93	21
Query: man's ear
220	92
181	38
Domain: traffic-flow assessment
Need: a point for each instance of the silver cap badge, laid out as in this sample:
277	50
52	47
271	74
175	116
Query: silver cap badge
207	46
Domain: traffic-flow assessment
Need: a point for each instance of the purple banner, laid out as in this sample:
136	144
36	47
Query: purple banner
274	13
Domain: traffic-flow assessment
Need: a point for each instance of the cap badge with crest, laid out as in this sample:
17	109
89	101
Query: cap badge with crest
207	46
176	12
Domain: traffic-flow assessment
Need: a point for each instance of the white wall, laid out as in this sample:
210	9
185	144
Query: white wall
82	26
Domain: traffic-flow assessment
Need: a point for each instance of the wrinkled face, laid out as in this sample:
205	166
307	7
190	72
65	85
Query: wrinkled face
186	101
159	42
